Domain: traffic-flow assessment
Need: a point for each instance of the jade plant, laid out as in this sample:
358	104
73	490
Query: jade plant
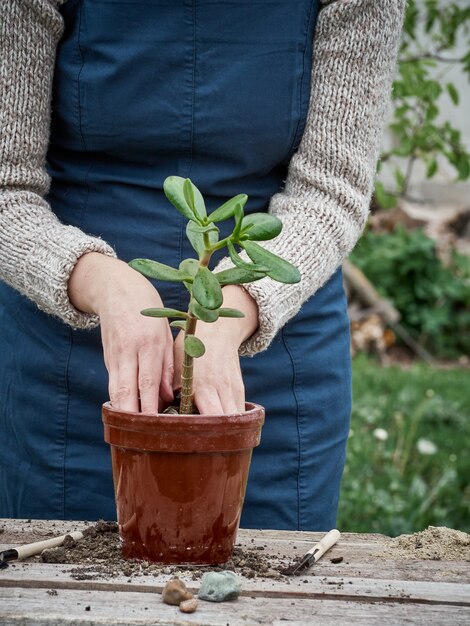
205	286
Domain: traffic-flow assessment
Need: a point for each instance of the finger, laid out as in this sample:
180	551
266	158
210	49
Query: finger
166	384
208	401
177	362
231	388
123	391
231	403
150	372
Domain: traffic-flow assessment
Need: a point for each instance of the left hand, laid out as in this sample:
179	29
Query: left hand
218	383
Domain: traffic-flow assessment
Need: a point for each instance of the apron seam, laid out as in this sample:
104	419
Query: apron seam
181	290
66	387
297	421
302	105
82	58
193	94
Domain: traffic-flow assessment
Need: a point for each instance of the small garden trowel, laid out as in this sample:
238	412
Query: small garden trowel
315	553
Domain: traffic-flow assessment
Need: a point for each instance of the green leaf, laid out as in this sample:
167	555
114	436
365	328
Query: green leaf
453	93
405	147
196	237
203	314
178	324
431	168
189	267
239	262
206	289
400	178
193	346
238	222
230	313
227	210
279	269
238	276
194	199
463	166
158	271
260	227
173	187
164	312
384	199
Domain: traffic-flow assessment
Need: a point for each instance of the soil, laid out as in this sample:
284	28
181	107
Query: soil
99	556
434	543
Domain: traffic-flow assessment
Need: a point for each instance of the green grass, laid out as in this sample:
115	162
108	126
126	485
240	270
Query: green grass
420	474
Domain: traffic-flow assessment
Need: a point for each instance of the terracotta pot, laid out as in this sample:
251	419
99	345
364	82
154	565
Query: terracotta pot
179	481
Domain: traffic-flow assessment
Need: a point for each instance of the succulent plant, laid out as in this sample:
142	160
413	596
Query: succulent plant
204	285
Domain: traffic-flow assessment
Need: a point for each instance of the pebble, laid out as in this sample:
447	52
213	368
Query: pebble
175	592
220	586
188	606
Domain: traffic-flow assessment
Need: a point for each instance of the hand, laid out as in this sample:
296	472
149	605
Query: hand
218	383
138	350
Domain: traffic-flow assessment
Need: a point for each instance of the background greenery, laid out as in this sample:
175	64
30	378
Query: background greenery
418	472
408	462
421	135
433	298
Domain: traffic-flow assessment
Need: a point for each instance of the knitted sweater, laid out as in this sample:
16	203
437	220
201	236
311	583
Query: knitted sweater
323	206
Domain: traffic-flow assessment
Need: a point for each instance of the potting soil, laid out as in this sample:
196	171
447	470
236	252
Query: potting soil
99	551
435	543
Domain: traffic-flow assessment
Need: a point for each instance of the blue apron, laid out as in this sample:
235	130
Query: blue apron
214	91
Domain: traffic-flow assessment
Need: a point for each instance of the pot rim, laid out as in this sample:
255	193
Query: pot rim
136	421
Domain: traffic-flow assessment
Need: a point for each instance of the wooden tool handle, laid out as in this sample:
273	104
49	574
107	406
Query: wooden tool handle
324	544
31	549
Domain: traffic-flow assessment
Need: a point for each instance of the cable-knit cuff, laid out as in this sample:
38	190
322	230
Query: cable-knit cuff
38	254
47	270
270	319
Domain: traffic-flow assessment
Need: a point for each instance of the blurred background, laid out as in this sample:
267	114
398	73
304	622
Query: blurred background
408	284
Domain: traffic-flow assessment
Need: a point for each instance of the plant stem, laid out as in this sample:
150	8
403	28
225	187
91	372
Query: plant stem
187	393
187	387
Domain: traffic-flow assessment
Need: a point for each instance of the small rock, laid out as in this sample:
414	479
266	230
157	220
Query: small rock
337	559
219	586
175	592
188	606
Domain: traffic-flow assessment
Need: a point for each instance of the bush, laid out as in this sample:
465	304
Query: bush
433	299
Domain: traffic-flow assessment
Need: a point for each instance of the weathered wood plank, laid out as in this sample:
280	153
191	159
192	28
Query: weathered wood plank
58	576
365	588
28	607
362	554
357	564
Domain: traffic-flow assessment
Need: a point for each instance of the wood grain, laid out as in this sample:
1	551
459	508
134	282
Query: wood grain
365	588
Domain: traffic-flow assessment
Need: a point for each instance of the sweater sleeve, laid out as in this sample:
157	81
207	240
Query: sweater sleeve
324	204
37	252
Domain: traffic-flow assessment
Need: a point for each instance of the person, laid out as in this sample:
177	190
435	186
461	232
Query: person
101	100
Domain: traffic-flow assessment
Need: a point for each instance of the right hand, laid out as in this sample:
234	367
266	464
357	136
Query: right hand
138	350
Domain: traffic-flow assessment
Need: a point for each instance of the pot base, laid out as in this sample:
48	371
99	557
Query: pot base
179	508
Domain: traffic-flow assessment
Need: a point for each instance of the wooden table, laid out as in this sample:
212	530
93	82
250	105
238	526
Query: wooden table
365	588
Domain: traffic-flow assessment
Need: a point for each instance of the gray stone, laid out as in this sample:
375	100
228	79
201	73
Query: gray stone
219	586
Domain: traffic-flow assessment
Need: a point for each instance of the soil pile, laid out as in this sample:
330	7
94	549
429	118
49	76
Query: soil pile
99	551
434	543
